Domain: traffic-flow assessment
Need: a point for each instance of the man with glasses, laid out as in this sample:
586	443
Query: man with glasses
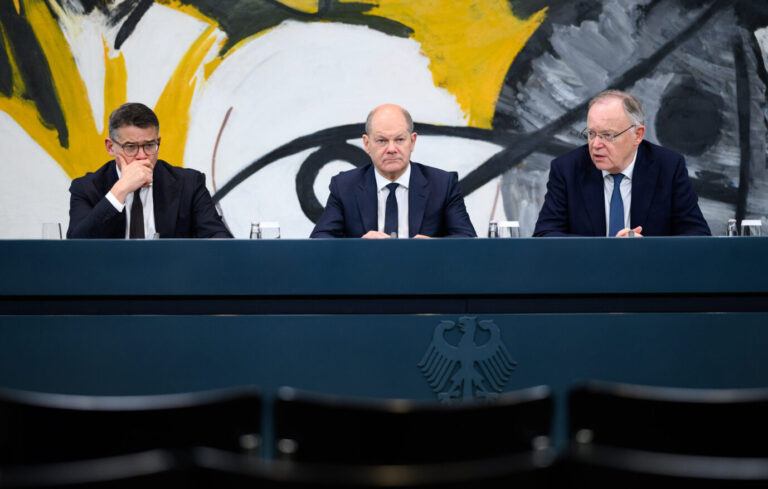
138	196
618	184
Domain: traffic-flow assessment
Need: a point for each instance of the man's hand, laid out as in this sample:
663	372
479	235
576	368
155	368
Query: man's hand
375	235
421	236
624	233
133	176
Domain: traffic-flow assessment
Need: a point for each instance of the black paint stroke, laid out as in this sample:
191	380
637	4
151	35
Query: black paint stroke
516	145
334	147
6	72
136	13
521	69
307	174
34	69
240	19
87	6
685	106
715	186
743	112
526	145
341	133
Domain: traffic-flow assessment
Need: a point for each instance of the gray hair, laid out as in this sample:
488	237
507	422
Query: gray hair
406	114
632	106
131	114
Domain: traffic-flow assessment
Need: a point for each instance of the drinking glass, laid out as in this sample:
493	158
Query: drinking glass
509	229
51	230
265	230
751	227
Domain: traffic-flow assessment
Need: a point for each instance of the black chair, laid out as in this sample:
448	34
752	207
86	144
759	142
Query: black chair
227	470
634	436
726	422
598	466
328	429
154	468
41	427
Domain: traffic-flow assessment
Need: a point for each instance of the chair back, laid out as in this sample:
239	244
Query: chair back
716	422
42	427
329	429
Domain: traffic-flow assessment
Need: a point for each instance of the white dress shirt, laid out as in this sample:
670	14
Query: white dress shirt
401	194
626	193
148	205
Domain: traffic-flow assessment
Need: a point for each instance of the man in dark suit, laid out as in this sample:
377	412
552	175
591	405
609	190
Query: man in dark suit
138	196
618	184
392	196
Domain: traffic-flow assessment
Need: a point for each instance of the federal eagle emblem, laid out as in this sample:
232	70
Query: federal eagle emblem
466	370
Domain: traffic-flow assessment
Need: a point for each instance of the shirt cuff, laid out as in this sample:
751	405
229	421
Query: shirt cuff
113	200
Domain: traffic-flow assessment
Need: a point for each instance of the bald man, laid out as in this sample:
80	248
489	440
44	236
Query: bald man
392	196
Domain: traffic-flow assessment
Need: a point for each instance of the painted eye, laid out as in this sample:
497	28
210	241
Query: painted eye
337	144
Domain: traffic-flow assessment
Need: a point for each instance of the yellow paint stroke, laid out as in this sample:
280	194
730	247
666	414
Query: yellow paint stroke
187	9
470	43
176	99
16	82
82	154
307	6
115	83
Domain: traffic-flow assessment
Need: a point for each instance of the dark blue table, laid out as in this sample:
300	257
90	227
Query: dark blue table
356	317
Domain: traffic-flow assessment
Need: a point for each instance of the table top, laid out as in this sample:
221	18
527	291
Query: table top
390	267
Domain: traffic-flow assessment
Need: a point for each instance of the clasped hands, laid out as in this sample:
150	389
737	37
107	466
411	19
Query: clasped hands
137	174
380	235
630	233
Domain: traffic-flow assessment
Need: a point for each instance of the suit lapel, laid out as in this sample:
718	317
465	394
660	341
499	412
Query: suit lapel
594	196
165	193
367	201
644	178
418	193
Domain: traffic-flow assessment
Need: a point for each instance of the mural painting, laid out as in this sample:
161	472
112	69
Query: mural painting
267	97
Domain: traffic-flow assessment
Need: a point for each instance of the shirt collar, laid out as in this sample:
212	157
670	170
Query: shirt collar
628	171
403	180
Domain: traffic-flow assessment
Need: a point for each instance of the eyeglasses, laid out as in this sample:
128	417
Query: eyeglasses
132	149
606	137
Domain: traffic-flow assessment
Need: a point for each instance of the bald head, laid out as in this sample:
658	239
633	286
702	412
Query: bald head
388	108
389	140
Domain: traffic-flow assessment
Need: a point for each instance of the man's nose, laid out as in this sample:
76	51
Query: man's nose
391	147
140	154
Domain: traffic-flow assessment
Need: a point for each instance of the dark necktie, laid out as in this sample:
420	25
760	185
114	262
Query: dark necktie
390	214
616	219
137	217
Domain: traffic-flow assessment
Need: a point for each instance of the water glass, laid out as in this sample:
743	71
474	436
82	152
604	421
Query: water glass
751	227
509	229
265	230
51	230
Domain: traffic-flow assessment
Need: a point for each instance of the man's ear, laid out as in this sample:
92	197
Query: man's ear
110	146
639	134
365	143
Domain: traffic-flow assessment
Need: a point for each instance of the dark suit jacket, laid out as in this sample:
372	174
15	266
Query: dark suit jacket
663	200
435	205
182	205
